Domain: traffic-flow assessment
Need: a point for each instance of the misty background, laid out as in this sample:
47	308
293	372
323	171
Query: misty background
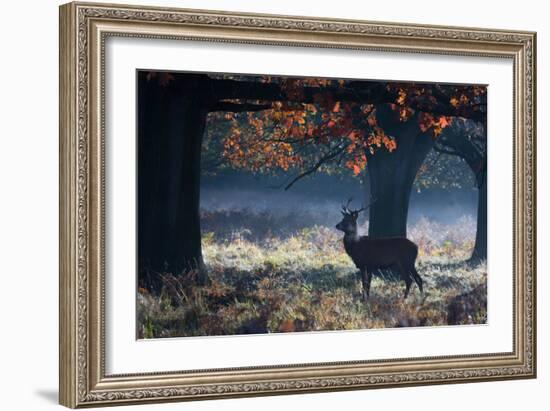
317	200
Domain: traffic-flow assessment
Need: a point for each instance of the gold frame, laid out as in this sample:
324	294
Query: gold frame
83	30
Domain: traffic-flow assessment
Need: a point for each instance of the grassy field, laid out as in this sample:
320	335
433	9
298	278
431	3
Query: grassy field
297	277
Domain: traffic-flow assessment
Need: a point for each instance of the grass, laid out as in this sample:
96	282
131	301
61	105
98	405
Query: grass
300	279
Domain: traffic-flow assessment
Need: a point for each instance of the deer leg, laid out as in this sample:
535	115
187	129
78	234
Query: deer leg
417	279
366	277
406	276
408	282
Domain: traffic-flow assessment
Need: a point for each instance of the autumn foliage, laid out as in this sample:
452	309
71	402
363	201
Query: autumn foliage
317	125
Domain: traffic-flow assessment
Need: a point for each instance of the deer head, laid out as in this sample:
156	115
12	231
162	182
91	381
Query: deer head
349	221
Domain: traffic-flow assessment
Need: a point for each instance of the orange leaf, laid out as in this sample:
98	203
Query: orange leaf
371	120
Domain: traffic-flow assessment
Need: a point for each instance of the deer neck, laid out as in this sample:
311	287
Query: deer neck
351	237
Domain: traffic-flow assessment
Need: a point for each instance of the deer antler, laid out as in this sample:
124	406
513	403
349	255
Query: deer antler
363	208
345	208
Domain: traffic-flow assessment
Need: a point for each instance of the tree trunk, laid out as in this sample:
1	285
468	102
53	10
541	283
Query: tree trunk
392	175
460	144
171	126
480	247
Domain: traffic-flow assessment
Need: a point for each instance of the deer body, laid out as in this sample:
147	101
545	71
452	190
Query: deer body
372	254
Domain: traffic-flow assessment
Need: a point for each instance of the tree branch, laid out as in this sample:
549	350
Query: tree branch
361	92
448	151
329	156
239	107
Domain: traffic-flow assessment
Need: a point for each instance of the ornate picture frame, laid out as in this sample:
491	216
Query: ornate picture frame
84	29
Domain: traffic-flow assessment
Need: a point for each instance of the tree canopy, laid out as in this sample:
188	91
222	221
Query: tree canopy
308	125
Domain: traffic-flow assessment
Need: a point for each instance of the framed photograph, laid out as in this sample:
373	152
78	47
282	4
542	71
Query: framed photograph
258	204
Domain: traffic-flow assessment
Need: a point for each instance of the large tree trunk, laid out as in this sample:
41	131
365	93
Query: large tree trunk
169	157
391	175
480	247
476	158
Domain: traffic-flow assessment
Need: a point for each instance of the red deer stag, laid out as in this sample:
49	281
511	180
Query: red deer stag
374	254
